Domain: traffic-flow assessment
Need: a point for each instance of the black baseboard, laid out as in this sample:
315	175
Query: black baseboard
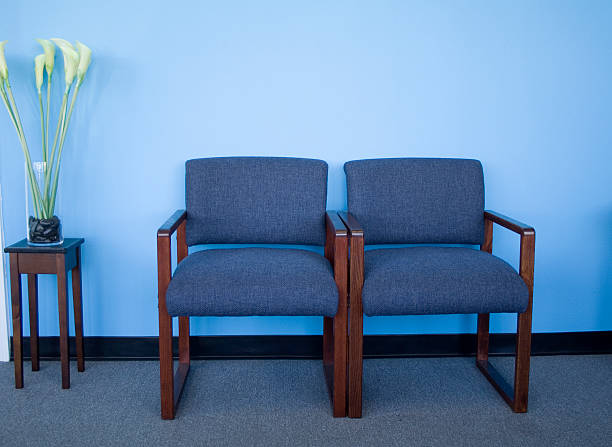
310	346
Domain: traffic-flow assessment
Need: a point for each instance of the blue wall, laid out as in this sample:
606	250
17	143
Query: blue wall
523	86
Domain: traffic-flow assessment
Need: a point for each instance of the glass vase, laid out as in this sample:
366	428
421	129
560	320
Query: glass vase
44	227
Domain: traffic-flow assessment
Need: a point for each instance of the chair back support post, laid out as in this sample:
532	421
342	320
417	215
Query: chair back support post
482	347
182	250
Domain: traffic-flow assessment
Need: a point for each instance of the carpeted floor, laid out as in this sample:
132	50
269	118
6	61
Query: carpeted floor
425	402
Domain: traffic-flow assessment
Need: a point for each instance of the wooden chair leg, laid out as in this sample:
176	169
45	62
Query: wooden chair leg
17	323
515	397
328	341
184	352
521	366
165	365
340	361
482	349
33	301
355	362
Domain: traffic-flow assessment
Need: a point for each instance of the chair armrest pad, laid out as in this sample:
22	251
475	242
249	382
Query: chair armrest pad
170	225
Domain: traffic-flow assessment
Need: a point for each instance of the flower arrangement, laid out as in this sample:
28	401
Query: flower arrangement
43	178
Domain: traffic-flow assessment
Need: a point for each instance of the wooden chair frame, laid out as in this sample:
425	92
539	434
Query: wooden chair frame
515	397
335	338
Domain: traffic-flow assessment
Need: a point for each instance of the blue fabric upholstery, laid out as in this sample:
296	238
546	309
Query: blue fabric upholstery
440	280
234	200
253	281
417	200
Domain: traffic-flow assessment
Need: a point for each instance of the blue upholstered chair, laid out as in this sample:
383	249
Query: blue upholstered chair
253	200
433	201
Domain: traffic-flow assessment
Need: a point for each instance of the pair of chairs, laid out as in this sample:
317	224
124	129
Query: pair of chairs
259	200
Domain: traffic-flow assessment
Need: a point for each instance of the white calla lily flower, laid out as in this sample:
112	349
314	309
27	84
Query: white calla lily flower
71	60
84	60
49	50
3	66
62	43
39	70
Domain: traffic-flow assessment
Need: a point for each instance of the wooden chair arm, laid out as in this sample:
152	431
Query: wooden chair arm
352	224
176	222
336	252
170	225
356	273
527	254
508	222
335	224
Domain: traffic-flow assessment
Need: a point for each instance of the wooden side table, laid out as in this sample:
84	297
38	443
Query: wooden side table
33	261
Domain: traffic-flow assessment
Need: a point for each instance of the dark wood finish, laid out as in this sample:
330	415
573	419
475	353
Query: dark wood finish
17	325
164	274
328	340
45	263
179	381
336	251
355	372
62	304
482	343
482	346
182	250
170	225
508	222
42	263
497	380
171	385
77	298
57	260
33	301
335	342
517	398
523	342
181	253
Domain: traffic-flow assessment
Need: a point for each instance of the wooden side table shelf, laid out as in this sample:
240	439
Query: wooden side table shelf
33	261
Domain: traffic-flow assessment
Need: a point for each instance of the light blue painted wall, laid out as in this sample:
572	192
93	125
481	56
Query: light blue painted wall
523	86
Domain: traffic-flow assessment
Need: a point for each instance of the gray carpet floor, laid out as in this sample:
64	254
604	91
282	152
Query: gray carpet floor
424	402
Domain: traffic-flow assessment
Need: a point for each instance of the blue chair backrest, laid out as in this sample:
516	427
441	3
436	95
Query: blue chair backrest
257	200
417	200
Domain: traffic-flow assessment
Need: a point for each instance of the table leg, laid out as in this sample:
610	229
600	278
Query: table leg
17	328
33	299
62	301
78	311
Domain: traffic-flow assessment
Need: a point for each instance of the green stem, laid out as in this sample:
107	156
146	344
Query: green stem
61	149
51	159
42	124
33	184
46	150
8	106
21	140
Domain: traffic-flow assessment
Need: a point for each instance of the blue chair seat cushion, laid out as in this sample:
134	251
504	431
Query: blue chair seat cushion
440	280
253	281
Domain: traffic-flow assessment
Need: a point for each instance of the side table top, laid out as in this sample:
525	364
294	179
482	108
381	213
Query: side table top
23	247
